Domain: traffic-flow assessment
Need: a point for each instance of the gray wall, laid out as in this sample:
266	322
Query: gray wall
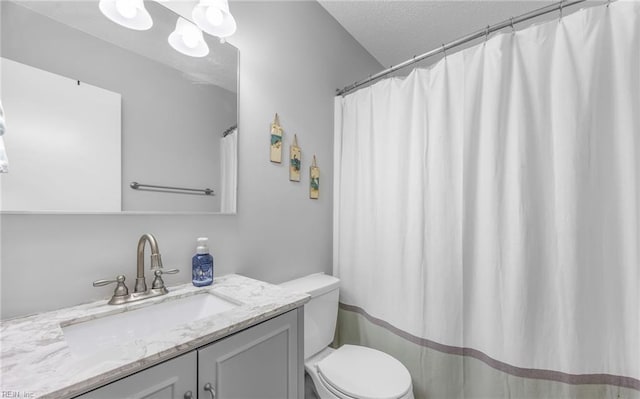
161	109
293	56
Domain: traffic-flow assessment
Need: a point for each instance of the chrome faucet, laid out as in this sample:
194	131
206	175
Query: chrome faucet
121	294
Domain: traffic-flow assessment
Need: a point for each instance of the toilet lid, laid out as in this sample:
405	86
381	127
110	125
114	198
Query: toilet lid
366	373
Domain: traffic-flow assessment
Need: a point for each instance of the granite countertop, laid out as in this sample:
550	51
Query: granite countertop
35	360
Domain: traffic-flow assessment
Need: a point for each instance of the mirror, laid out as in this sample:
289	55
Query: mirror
158	119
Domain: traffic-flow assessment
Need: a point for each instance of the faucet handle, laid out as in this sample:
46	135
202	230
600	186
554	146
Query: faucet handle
170	271
121	288
158	283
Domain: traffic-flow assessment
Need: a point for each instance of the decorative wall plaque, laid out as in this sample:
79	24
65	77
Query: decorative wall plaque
276	140
295	160
314	180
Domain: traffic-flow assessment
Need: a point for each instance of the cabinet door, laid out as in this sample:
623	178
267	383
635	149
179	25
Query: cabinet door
261	362
173	379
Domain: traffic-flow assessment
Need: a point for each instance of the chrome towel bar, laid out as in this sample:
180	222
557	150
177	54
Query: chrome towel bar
180	190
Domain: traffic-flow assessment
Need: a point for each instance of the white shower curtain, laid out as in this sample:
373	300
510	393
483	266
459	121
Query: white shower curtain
229	172
4	161
489	206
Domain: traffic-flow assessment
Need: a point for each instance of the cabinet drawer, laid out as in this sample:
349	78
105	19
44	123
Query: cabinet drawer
169	380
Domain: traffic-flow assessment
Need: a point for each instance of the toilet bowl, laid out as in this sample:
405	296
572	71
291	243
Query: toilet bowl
351	371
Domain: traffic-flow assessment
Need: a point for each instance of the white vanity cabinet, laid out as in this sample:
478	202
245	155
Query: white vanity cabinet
264	361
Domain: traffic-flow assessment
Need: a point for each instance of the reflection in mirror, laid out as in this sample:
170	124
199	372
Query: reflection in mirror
50	118
174	116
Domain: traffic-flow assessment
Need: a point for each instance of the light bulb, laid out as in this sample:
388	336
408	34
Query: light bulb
188	39
214	18
214	15
191	37
126	8
128	13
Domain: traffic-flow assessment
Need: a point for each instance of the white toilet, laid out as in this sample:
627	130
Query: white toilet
351	371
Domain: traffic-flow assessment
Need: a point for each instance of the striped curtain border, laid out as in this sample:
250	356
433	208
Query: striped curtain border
539	374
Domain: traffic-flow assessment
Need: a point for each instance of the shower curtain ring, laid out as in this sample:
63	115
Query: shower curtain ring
444	50
608	3
486	33
561	7
513	28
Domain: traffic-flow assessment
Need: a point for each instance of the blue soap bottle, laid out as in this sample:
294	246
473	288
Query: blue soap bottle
202	264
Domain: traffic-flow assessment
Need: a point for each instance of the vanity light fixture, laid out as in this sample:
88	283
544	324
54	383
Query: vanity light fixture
187	39
128	13
213	17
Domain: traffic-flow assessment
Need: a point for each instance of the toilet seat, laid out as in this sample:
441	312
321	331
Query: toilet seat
334	392
360	372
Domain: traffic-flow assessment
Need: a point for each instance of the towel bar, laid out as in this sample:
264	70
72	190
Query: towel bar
180	190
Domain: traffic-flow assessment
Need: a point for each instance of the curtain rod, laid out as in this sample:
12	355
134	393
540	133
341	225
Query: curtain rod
465	39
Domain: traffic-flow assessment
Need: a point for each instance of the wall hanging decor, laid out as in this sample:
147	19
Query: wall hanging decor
276	140
314	180
295	160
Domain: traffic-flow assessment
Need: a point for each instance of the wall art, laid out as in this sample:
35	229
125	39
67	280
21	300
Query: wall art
314	180
295	160
276	140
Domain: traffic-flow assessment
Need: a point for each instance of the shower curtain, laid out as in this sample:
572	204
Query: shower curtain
229	172
487	213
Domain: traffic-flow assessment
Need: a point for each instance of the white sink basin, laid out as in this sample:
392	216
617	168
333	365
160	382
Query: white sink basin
108	333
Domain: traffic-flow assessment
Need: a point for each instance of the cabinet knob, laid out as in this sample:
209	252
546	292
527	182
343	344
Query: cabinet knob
188	395
207	387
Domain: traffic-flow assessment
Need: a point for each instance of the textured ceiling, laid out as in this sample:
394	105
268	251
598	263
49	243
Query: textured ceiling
394	31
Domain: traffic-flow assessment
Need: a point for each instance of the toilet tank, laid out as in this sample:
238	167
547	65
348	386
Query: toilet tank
320	313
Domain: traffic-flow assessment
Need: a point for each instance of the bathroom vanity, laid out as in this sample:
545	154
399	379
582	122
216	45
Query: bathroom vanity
237	338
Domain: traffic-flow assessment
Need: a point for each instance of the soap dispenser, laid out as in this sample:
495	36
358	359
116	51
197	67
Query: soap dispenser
202	264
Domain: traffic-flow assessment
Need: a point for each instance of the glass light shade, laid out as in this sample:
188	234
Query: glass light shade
206	14
214	16
188	40
128	13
